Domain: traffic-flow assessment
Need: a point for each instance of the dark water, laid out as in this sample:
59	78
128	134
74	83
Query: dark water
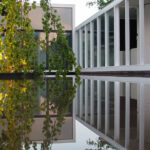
102	113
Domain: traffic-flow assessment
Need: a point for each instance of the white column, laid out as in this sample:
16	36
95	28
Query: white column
99	105
117	111
106	107
141	117
127	115
117	35
92	102
106	40
91	44
81	100
127	33
76	45
98	42
141	31
86	47
86	100
80	47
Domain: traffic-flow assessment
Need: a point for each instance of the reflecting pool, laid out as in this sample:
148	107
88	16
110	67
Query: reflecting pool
117	109
102	113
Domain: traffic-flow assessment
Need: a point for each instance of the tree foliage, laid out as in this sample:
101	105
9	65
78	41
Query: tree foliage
100	3
17	47
60	57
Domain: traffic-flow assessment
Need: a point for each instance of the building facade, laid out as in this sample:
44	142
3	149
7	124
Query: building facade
117	38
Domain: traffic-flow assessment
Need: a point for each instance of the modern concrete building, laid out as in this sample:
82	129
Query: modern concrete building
117	38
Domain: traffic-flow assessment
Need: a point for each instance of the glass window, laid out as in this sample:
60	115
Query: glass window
95	43
64	13
111	37
102	40
83	47
88	29
41	36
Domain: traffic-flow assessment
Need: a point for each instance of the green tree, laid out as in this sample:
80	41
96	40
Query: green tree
100	3
17	47
60	57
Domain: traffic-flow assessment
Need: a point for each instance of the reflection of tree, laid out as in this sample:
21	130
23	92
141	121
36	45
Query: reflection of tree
19	104
60	93
100	144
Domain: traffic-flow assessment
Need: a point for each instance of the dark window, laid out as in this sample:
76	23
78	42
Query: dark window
133	34
69	38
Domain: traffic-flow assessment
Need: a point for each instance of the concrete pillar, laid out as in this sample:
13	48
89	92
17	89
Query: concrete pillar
127	33
106	40
117	35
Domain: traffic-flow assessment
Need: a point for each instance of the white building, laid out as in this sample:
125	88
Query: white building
117	38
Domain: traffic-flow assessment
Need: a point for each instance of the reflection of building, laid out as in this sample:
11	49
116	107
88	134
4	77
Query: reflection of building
66	134
117	109
116	37
67	131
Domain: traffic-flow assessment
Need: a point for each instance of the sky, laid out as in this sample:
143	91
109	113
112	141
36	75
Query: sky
82	11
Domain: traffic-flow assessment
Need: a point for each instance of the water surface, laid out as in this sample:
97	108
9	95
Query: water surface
100	113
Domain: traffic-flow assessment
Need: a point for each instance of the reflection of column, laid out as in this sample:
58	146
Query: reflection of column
74	110
141	117
77	101
99	99
117	35
127	115
127	33
80	47
92	102
106	107
86	47
141	31
91	43
81	99
86	100
106	40
117	111
98	42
